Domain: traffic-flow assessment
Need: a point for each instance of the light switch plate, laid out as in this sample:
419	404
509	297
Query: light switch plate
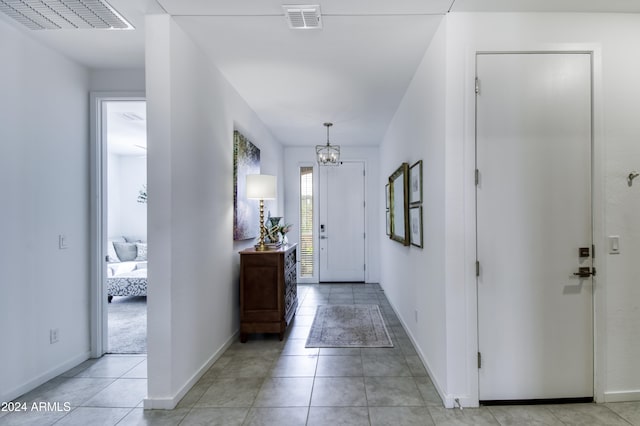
62	242
614	244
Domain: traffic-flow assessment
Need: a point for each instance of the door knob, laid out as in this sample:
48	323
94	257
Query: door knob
584	272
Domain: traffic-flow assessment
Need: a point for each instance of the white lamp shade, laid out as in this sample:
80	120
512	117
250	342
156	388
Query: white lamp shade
261	187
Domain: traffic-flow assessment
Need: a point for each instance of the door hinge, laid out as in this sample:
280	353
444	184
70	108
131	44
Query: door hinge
477	176
477	268
593	251
477	86
593	272
364	235
479	360
106	258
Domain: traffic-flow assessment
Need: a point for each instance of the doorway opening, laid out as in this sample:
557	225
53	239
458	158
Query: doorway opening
126	135
120	225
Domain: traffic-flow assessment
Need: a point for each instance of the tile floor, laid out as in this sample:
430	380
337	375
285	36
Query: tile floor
268	382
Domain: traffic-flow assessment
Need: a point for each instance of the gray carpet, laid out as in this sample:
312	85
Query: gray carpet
348	326
128	325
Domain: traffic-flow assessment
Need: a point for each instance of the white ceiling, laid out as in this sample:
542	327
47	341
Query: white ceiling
126	128
353	72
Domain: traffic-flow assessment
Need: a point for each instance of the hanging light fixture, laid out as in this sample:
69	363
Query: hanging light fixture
328	155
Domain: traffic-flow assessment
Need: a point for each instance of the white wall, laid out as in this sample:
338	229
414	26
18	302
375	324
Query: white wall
44	153
451	280
617	130
121	80
44	170
413	278
126	216
193	293
296	157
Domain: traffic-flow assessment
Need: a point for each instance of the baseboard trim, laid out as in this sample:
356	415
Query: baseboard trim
45	377
447	402
622	396
171	402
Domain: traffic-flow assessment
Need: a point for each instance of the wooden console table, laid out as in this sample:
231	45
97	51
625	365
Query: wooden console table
268	290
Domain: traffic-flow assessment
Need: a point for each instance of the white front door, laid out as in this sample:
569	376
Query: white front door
535	317
342	224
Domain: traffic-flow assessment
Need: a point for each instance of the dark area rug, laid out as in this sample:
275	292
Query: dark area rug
348	326
128	325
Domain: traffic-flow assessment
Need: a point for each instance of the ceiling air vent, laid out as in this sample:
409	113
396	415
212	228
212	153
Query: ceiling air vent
64	14
303	17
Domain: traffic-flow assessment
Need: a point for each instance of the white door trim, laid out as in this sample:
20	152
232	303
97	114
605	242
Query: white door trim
469	394
98	214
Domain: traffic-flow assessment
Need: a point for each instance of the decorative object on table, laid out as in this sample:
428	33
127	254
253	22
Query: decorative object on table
415	226
142	194
283	230
328	155
246	160
271	225
275	233
348	326
415	183
399	204
261	187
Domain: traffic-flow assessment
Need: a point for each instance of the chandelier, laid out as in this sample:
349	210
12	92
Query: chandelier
328	155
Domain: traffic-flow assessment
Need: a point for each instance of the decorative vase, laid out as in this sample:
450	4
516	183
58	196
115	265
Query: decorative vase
274	221
273	235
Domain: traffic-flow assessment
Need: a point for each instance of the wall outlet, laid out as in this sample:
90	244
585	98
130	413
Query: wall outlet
54	335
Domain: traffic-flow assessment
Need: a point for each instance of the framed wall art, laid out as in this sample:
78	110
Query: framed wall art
415	183
388	216
387	196
246	161
399	204
415	226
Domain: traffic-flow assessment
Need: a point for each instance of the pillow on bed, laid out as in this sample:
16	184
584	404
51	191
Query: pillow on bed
125	251
112	256
142	252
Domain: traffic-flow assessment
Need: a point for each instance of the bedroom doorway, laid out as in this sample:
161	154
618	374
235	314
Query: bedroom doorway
120	225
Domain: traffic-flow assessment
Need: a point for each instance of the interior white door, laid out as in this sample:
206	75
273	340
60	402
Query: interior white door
342	224
535	327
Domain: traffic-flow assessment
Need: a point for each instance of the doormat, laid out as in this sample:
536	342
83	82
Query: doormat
348	326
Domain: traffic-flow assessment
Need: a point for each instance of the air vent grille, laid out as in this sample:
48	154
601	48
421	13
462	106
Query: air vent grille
303	17
64	14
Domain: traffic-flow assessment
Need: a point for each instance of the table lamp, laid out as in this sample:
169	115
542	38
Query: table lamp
261	187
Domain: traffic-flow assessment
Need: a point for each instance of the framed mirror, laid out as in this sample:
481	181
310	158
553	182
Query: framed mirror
399	204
